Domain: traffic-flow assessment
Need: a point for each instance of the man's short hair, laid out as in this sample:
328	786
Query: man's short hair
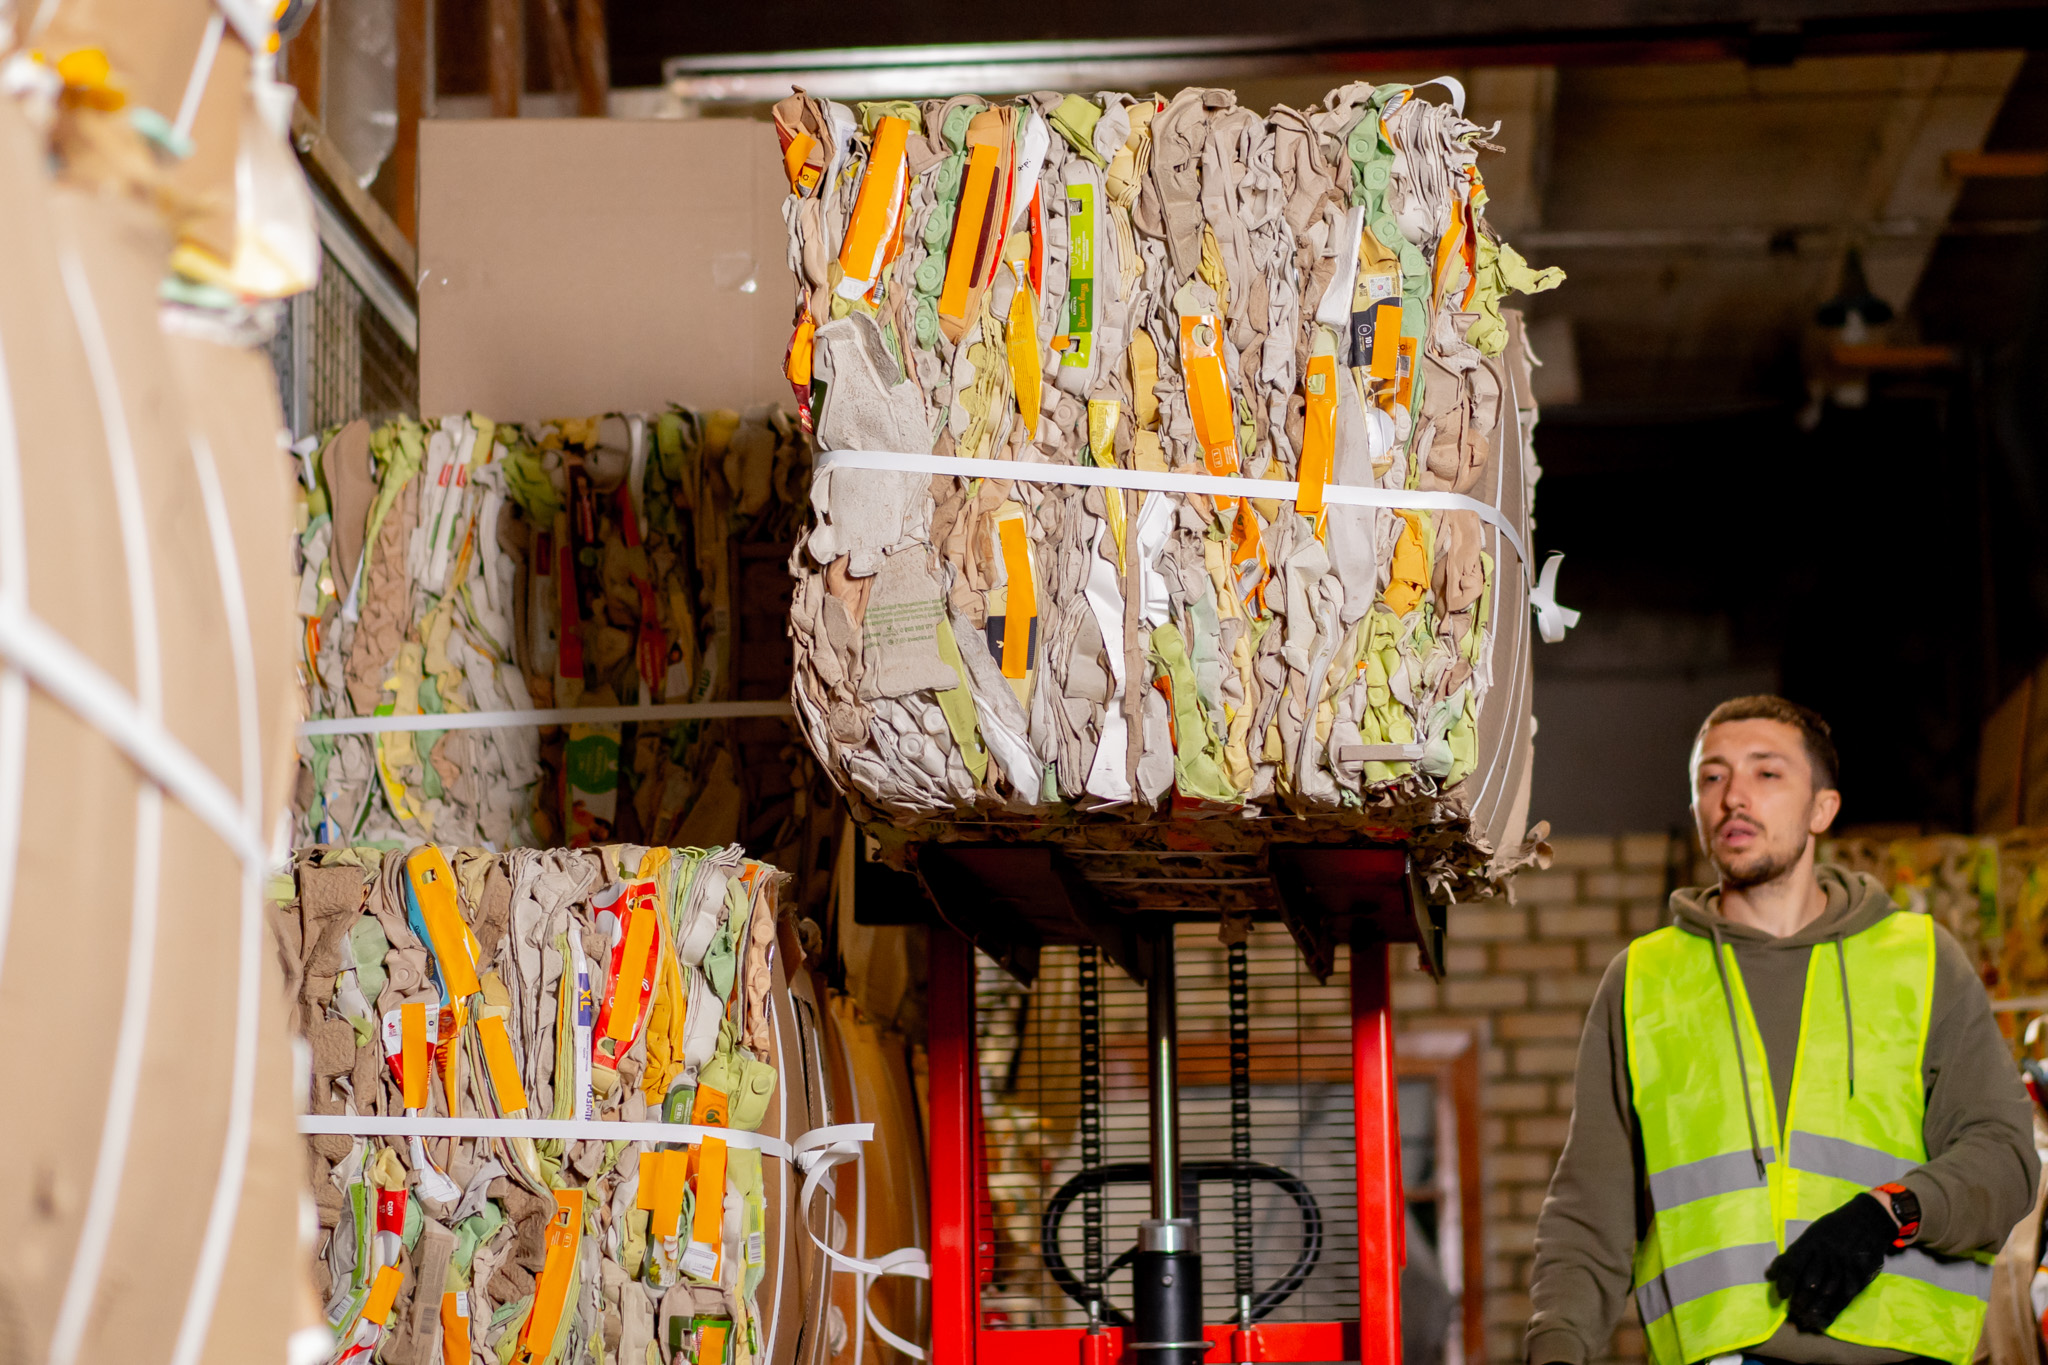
1820	740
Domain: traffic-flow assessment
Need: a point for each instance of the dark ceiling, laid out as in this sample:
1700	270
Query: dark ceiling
644	32
1888	566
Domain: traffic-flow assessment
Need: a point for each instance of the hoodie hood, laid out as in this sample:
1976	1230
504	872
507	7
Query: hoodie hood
1856	900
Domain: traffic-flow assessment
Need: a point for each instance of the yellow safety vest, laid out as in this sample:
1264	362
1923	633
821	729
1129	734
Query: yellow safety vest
1717	1223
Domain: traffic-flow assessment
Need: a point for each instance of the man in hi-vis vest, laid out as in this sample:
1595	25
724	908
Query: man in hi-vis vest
1797	1135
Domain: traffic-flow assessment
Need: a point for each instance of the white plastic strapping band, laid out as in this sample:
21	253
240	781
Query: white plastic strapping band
514	720
580	1130
1450	83
54	664
214	1244
1348	495
131	1036
1552	619
202	71
817	1153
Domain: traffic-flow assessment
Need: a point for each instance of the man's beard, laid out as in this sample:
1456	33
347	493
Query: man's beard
1765	867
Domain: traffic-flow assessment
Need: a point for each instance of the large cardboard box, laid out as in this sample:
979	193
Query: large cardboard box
576	266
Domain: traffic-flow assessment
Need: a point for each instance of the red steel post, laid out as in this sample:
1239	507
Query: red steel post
950	1056
1382	1205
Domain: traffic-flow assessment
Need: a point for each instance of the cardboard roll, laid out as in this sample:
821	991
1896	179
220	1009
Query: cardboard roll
803	1303
882	1203
145	703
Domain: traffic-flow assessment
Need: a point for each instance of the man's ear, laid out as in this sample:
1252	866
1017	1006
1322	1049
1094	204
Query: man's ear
1827	804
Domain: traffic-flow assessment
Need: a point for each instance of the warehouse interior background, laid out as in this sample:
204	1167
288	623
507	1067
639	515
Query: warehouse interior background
1740	509
1793	409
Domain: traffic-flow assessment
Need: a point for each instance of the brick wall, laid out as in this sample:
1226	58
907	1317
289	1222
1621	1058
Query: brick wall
1521	976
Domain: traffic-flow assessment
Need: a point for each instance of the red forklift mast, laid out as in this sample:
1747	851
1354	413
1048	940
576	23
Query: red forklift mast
1011	901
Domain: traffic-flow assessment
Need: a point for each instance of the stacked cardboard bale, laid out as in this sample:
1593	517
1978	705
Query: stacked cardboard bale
663	542
617	984
407	598
438	563
1155	287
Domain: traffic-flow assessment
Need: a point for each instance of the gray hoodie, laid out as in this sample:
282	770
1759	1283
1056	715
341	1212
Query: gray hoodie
1977	1182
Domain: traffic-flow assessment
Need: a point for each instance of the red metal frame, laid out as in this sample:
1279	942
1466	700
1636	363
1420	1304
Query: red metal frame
1376	1110
954	1148
1274	1341
958	1337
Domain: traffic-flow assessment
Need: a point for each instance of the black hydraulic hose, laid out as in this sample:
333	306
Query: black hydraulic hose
1199	1172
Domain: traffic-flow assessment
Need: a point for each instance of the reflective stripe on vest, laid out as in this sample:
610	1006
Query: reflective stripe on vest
1716	1226
1706	1177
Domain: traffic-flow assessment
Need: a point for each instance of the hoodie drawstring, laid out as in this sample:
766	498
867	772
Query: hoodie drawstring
1756	1147
1848	1019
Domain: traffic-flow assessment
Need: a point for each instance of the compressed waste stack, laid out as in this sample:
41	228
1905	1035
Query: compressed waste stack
617	984
631	534
407	596
463	546
1155	287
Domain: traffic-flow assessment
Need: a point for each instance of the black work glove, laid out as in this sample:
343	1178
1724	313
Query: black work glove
1832	1262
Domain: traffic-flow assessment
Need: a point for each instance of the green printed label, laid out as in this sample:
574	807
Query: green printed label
1080	350
593	760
